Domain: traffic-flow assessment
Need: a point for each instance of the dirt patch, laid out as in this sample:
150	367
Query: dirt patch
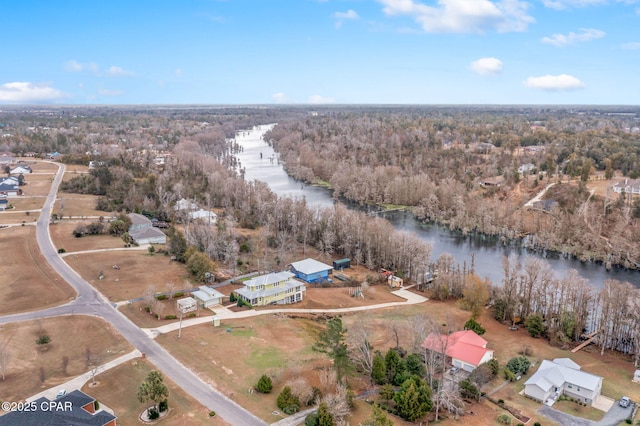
33	368
137	271
118	388
62	236
28	282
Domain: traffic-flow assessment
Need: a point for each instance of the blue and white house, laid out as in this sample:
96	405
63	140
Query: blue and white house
310	270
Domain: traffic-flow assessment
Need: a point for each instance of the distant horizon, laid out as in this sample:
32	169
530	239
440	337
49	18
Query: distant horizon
322	52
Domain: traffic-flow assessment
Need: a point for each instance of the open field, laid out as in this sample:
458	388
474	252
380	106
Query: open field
62	236
117	389
77	205
41	166
37	184
136	313
32	367
233	361
8	217
138	270
74	170
26	203
28	283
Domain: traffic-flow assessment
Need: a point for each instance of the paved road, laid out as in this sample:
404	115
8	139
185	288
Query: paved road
90	302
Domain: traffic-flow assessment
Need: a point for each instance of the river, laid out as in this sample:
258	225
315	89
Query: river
259	162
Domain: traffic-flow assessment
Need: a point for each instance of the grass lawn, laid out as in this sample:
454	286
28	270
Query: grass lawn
573	408
33	368
117	389
28	282
233	361
138	270
62	236
136	313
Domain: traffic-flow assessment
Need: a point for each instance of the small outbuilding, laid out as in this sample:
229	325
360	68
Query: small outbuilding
395	282
208	296
341	264
310	270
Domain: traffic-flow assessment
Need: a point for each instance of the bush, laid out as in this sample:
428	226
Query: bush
494	366
233	297
288	402
518	365
61	250
43	340
212	413
163	406
508	375
264	385
96	405
161	297
504	419
170	317
311	420
191	315
537	424
153	414
178	294
535	325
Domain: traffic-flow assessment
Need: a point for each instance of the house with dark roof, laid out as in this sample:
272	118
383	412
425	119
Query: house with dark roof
465	349
75	408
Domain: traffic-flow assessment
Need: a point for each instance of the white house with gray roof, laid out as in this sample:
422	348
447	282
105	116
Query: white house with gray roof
274	288
562	376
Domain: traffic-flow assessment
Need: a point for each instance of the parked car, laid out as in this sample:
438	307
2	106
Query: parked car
624	402
454	370
61	393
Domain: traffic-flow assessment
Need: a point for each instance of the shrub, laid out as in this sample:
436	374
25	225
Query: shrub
43	340
508	375
311	420
191	315
170	317
96	405
161	297
494	366
535	325
504	419
61	250
212	413
163	406
153	414
178	294
264	385
288	402
469	390
233	297
518	365
537	424
501	401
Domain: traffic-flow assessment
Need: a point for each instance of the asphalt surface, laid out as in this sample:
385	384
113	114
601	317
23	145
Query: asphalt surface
613	417
90	302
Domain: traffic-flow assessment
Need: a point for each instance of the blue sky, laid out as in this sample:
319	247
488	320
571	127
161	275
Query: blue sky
321	51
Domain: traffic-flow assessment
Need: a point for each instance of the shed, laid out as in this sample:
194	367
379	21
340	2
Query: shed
310	270
342	263
395	282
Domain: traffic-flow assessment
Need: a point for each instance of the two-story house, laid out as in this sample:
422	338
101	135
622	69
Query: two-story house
275	288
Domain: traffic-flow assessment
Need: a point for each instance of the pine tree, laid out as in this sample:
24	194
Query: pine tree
379	370
264	384
413	400
324	416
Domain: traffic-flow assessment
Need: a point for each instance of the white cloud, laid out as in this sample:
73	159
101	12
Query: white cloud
115	71
75	66
110	92
487	66
349	14
631	46
554	82
570	4
561	40
464	16
318	99
24	91
279	98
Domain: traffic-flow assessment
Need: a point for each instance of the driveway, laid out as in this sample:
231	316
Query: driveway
613	417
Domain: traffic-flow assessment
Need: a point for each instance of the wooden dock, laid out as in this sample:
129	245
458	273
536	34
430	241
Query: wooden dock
590	338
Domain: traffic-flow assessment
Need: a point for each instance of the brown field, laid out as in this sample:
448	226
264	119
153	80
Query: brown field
33	368
28	283
27	203
37	184
138	270
8	217
62	236
42	166
136	313
117	389
77	205
74	170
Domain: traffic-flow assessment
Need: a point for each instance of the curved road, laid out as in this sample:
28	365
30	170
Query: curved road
90	302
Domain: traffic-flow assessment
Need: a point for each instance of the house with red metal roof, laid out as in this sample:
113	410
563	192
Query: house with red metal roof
464	349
